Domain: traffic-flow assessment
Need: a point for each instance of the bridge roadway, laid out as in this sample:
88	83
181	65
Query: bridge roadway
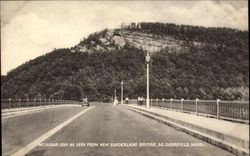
102	124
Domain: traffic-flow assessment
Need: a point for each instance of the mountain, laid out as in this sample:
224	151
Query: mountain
3	79
187	62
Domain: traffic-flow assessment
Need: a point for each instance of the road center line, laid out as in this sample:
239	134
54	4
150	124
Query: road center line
42	138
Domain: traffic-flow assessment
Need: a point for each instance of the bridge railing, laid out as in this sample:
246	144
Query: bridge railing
20	103
220	109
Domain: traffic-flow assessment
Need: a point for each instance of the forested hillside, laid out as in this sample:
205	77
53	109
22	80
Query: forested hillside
210	63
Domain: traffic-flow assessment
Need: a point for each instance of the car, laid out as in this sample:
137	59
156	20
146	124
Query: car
85	102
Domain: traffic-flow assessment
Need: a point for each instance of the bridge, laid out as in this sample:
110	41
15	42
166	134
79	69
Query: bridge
169	127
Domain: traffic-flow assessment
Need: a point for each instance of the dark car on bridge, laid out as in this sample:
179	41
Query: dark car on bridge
85	102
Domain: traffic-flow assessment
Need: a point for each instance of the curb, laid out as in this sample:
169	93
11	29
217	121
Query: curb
24	109
182	126
13	113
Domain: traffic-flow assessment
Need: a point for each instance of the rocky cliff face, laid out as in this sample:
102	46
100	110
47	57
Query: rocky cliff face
117	38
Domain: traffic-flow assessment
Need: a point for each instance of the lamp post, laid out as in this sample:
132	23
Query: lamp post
147	60
122	92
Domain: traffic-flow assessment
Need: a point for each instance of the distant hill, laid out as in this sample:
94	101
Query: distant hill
187	62
3	79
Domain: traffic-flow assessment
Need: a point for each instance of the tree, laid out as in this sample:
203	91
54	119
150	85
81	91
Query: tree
72	93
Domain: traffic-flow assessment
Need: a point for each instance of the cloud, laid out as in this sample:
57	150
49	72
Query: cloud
209	14
29	36
41	26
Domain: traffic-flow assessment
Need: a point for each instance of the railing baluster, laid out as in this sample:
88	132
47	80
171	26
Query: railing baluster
9	103
162	103
27	102
218	107
182	104
19	102
196	106
171	103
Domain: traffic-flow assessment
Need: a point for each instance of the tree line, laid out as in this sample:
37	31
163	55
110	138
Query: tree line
205	72
217	35
65	75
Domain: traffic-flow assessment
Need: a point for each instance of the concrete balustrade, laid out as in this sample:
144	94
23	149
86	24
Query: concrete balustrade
19	103
220	109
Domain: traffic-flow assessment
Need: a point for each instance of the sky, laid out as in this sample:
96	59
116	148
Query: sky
32	28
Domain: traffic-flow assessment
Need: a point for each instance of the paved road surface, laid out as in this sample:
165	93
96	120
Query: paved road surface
102	124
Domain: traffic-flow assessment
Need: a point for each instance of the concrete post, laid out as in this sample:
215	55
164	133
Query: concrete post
28	102
9	103
218	108
34	102
196	106
19	103
162	102
182	104
171	103
156	102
